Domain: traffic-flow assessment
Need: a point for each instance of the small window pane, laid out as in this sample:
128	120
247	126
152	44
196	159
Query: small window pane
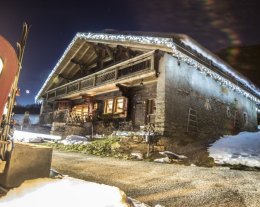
108	106
119	108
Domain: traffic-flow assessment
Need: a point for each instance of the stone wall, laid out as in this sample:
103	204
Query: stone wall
46	115
160	99
64	129
219	109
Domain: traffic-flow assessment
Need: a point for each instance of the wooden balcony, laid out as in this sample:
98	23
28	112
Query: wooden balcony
135	68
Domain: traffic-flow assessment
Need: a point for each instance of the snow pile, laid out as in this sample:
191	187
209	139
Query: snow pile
172	155
163	160
64	192
243	149
30	137
75	139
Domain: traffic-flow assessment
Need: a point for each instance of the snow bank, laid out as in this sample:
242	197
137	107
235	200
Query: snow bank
243	148
64	192
22	136
75	139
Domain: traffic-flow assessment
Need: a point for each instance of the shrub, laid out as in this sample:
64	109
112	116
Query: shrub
105	147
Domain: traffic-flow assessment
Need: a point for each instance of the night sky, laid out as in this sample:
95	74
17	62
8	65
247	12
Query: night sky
216	24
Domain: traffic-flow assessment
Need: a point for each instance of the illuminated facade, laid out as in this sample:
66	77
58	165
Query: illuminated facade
122	82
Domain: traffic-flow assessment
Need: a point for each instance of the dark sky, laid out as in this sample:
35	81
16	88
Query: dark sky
215	24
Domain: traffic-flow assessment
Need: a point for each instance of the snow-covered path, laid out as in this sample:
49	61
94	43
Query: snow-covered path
243	149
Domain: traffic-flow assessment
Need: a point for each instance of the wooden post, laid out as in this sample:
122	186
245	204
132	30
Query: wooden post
116	74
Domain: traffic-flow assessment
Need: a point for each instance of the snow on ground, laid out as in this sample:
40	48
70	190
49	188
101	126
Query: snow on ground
65	192
75	139
243	149
23	136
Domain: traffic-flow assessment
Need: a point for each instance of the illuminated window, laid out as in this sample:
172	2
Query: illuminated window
1	65
85	111
81	112
108	106
119	105
95	106
116	106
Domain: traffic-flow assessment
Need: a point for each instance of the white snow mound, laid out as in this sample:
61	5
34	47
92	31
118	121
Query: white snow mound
64	192
243	149
22	136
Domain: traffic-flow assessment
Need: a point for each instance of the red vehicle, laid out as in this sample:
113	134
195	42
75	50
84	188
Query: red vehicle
10	66
8	71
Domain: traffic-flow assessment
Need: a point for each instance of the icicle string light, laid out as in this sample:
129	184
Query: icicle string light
168	42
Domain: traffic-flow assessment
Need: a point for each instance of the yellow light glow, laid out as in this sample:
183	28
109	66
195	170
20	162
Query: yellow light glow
1	65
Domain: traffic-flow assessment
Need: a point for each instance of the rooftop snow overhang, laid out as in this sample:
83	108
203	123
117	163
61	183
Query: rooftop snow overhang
172	43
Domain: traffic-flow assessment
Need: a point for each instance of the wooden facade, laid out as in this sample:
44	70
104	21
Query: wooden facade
125	83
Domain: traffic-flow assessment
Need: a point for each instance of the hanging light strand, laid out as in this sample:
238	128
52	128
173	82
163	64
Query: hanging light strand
161	41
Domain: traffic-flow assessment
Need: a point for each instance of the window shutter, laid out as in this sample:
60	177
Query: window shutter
125	106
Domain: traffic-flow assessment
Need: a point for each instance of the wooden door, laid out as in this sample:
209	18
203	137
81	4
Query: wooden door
139	114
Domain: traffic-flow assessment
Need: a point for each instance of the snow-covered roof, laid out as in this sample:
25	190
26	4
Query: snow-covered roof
175	42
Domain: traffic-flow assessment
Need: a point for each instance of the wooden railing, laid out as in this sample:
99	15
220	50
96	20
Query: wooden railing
125	69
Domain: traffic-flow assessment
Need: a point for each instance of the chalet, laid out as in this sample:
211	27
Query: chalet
106	82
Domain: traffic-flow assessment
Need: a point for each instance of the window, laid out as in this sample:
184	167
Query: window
116	106
95	106
119	105
245	118
228	112
108	106
83	112
80	110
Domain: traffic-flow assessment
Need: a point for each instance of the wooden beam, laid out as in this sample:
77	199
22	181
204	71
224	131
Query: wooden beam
132	61
72	68
108	51
67	63
100	59
124	89
65	78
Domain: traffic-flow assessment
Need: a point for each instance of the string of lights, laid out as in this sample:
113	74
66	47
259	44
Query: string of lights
168	42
